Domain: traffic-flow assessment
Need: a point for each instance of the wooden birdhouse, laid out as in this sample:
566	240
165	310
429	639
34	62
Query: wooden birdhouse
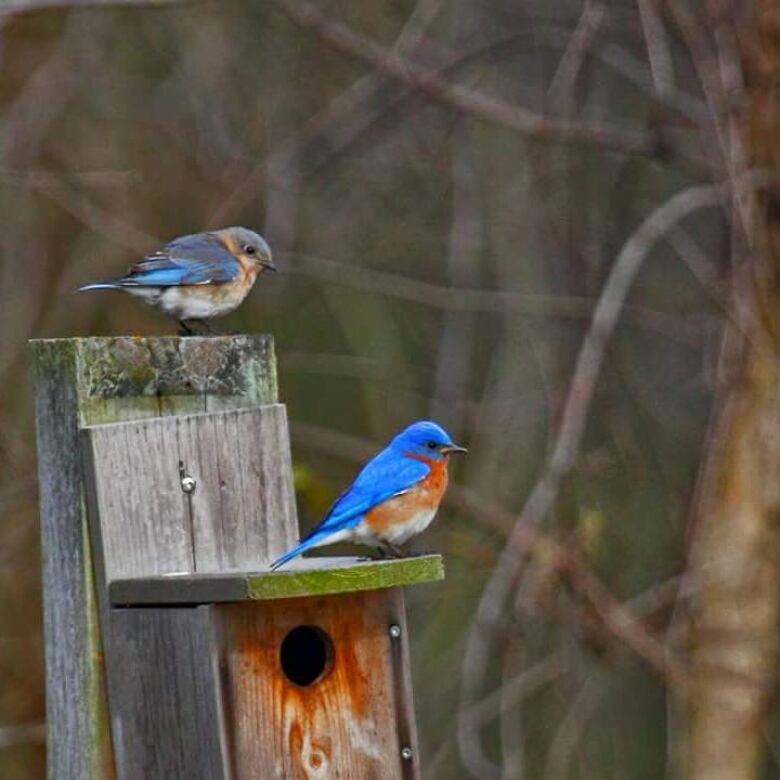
215	666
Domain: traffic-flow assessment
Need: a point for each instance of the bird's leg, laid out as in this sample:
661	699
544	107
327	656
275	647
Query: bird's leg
207	328
391	550
186	330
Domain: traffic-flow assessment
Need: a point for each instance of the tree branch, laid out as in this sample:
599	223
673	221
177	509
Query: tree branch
463	99
578	401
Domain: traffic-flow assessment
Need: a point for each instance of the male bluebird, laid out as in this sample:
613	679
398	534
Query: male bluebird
393	498
199	276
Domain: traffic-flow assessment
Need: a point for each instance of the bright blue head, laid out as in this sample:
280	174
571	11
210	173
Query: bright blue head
426	439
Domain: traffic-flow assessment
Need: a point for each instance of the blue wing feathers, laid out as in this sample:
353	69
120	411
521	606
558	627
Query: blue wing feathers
310	541
388	474
190	260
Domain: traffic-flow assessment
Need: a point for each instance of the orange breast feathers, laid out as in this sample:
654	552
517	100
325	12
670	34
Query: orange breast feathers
248	270
425	496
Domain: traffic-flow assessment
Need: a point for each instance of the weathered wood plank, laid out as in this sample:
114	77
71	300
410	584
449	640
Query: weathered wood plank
139	516
84	382
342	725
305	577
77	740
243	510
240	516
166	712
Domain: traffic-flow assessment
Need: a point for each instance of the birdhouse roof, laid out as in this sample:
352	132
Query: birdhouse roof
303	577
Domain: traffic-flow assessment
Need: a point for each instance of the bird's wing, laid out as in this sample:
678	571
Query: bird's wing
189	260
389	474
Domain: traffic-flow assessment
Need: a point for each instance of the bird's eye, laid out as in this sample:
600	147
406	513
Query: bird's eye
249	249
431	445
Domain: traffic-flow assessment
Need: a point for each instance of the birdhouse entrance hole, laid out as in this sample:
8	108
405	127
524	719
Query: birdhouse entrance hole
306	655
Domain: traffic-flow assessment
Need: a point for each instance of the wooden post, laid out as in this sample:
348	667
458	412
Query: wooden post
90	381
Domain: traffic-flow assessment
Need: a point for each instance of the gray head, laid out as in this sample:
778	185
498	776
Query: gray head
247	246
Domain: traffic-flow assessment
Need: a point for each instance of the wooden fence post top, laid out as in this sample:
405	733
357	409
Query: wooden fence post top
130	377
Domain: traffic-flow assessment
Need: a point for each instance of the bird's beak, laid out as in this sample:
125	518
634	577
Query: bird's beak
268	265
448	448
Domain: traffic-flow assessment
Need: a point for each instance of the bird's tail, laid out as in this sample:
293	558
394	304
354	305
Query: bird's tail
100	286
314	540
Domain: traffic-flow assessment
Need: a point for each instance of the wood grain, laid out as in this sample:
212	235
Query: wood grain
342	726
166	713
240	516
98	380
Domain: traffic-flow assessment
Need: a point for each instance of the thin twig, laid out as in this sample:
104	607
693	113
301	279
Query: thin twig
562	86
509	694
458	331
10	7
43	180
574	724
656	40
471	300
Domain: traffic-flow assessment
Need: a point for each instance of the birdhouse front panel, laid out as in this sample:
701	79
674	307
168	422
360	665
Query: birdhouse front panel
317	687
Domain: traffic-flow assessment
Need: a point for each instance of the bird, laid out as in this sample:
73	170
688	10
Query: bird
393	498
196	277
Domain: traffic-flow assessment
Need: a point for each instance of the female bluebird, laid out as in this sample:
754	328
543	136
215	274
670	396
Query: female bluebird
393	498
197	277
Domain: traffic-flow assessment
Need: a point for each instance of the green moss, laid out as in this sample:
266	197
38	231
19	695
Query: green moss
368	575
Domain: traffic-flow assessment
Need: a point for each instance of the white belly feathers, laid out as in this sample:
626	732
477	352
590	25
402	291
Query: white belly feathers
193	302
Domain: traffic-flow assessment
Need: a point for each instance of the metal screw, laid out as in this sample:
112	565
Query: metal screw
406	753
188	484
394	631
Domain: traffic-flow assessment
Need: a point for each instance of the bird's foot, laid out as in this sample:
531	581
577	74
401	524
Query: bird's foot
203	329
391	550
208	329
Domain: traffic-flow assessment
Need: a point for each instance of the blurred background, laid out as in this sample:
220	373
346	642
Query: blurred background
548	226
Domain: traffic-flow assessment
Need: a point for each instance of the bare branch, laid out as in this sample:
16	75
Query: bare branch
471	300
563	82
348	116
462	98
581	392
658	52
458	330
574	724
44	180
509	694
10	7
